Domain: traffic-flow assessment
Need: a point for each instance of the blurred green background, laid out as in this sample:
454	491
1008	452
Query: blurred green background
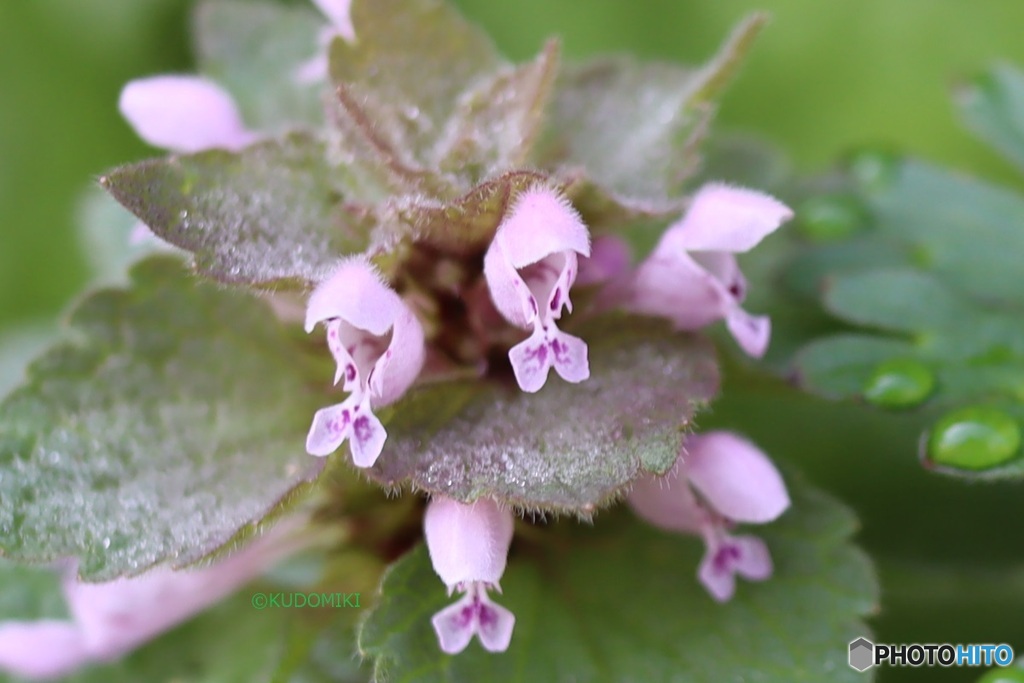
826	76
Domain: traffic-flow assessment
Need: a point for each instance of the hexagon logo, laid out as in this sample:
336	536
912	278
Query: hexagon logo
862	654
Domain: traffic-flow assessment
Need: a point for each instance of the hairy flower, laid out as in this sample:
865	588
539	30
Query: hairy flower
109	620
468	545
719	479
692	277
530	267
377	343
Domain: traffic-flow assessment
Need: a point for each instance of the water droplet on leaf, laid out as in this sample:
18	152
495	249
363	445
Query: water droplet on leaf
831	217
975	438
899	383
874	169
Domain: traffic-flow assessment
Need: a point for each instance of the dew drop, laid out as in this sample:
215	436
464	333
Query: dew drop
106	542
831	217
874	168
974	438
899	383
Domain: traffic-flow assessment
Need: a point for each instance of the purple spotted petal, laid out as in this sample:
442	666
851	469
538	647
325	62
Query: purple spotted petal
468	542
331	426
455	625
735	477
184	114
716	571
569	356
531	360
724	218
41	649
728	556
366	440
494	624
339	337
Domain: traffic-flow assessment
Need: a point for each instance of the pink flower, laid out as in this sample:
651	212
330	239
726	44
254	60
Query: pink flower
468	546
719	479
692	277
108	620
361	311
530	267
184	114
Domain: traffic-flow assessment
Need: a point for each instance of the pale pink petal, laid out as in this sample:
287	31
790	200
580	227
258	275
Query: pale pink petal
331	426
736	478
184	114
541	222
540	235
509	292
468	542
339	14
610	257
569	356
494	624
716	572
724	218
751	332
455	625
41	649
112	618
355	293
401	363
313	70
667	502
676	287
366	440
754	562
724	267
338	340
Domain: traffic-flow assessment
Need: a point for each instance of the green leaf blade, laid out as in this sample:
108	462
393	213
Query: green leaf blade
171	420
568	447
574	601
270	215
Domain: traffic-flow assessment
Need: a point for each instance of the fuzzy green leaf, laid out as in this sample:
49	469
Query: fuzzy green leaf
627	131
410	63
620	601
465	224
496	124
172	417
568	447
256	49
272	214
993	106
